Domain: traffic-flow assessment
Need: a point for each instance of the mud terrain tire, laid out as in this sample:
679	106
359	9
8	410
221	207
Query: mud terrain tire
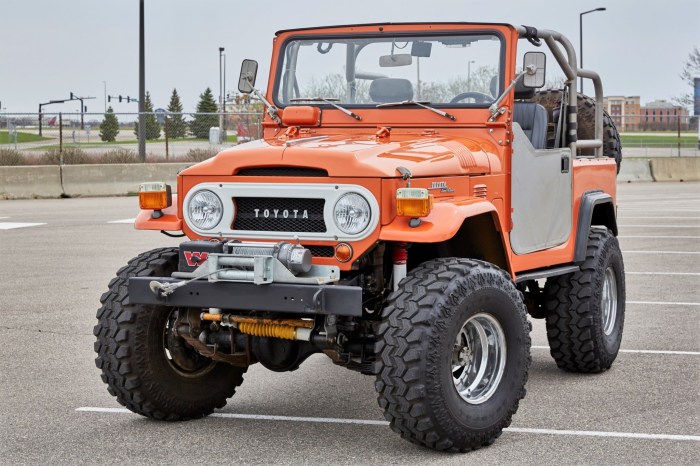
130	347
586	123
421	362
586	309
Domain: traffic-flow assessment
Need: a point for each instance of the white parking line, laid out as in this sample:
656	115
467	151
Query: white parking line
665	303
633	351
663	273
664	237
659	226
646	210
125	220
694	217
330	420
13	225
660	252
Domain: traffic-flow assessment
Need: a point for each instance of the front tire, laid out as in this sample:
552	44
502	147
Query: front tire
453	353
586	309
147	368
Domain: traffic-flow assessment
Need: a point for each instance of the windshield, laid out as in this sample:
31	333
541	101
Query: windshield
446	69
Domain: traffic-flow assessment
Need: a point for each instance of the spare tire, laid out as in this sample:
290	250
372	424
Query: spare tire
586	123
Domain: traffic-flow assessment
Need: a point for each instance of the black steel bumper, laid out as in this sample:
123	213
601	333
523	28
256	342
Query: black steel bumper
275	297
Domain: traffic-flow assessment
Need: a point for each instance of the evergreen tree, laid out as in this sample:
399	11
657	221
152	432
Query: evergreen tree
152	126
176	123
201	123
109	128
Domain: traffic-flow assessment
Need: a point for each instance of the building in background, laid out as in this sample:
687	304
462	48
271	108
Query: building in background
624	111
661	115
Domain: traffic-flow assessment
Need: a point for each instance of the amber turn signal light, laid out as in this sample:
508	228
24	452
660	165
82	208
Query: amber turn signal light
413	202
155	196
343	252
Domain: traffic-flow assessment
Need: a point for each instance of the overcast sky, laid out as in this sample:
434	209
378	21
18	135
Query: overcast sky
49	48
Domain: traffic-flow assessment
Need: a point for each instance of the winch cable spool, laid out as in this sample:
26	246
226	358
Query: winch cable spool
295	257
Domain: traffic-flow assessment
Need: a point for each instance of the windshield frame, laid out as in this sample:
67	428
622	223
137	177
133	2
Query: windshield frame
278	81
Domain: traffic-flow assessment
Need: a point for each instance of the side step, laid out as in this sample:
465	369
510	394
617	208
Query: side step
546	273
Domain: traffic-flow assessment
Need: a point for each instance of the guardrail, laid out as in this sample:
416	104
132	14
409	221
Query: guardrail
51	181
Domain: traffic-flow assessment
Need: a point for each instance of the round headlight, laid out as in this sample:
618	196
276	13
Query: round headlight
205	210
352	213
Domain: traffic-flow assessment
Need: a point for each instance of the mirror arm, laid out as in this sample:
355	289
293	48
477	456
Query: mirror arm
495	107
271	109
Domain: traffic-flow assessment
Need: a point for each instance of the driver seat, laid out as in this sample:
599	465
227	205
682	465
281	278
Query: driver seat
385	90
531	116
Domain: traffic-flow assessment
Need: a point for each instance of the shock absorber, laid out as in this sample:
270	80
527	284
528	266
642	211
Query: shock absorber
399	257
285	329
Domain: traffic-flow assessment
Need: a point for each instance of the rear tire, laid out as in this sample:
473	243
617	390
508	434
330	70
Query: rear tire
586	309
173	385
453	353
585	108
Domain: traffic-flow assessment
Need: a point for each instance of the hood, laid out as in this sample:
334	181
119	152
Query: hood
359	156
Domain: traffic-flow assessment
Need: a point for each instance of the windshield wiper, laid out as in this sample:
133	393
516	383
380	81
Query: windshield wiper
420	104
329	101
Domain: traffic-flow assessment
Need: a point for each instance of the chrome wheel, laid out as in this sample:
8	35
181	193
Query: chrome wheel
609	301
478	358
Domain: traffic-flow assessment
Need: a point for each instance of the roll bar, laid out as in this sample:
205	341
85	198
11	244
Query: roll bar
567	62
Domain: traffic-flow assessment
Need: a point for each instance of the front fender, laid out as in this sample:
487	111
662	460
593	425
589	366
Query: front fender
168	222
440	225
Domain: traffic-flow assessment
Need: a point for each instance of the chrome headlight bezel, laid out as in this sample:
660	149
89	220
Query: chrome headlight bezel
199	200
356	209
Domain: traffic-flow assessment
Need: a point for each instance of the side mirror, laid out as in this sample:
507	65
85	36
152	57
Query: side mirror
534	64
389	61
246	81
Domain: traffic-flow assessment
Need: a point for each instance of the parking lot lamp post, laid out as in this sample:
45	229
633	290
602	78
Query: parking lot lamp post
580	43
142	86
221	91
469	74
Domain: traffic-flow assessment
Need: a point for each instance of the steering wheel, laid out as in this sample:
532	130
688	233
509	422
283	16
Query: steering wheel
479	97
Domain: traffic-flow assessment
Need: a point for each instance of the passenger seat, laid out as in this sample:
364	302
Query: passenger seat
531	116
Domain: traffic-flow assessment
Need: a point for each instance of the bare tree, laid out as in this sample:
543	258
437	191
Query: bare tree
691	70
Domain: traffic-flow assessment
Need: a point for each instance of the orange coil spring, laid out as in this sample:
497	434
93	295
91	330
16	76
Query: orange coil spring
284	332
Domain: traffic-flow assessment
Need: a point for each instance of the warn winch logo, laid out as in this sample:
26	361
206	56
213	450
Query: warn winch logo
195	258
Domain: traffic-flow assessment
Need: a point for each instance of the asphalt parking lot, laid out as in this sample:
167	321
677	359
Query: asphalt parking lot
59	255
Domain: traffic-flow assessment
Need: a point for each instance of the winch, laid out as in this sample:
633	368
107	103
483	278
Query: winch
257	263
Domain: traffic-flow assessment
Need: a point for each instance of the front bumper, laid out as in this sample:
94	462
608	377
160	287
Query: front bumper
274	297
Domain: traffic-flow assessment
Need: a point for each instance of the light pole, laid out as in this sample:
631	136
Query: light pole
104	83
469	74
142	85
580	44
221	93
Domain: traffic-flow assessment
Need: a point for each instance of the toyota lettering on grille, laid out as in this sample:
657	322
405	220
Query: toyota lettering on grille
281	213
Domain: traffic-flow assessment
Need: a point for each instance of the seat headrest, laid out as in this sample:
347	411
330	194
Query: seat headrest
493	86
522	92
384	90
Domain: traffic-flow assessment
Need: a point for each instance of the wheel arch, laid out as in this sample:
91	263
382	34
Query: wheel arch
596	208
478	237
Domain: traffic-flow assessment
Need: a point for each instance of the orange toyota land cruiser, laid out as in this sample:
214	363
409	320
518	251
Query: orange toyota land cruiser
413	198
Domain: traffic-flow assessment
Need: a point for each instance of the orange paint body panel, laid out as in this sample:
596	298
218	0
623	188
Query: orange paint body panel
170	221
465	163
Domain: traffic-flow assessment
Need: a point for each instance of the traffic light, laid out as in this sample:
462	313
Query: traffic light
120	98
128	99
71	96
109	98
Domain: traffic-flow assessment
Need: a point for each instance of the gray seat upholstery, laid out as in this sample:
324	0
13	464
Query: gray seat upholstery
384	90
531	117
